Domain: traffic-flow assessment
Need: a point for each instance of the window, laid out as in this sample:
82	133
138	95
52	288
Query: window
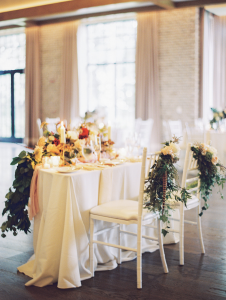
109	78
12	87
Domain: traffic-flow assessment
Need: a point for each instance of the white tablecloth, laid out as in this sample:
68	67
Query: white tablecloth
61	228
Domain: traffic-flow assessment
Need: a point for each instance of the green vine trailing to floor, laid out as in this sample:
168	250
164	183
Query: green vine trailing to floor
211	171
18	196
159	198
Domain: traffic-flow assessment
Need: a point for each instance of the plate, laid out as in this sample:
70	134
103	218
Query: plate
66	170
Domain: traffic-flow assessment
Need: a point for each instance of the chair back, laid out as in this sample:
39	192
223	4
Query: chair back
150	162
39	122
142	179
195	134
52	123
176	128
144	129
190	165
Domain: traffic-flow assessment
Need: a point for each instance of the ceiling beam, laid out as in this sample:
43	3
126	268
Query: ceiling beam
168	4
198	3
99	14
58	8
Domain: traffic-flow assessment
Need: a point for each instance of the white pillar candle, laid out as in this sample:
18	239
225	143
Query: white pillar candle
109	132
62	134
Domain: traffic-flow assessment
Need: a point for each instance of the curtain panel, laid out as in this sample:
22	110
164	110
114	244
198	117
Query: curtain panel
147	72
69	108
32	85
214	64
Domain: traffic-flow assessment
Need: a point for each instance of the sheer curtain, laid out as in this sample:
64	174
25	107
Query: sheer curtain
32	85
214	64
147	72
69	108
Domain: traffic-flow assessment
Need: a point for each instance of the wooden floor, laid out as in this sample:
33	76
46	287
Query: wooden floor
202	276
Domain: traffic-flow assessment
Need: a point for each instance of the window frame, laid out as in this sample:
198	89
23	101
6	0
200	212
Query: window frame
12	139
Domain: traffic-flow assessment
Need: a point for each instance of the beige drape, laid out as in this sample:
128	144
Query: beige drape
219	65
147	72
32	85
69	107
214	64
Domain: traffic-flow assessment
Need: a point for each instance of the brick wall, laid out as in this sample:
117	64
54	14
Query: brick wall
179	64
178	58
51	58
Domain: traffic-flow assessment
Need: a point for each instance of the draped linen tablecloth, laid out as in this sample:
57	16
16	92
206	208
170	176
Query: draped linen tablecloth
61	228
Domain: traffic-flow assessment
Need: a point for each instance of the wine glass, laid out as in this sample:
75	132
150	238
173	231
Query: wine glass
137	142
87	150
97	146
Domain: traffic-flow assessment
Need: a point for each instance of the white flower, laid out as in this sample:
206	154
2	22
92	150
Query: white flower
212	150
175	148
72	135
51	138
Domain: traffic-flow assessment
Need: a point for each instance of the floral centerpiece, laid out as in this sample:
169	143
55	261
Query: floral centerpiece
217	117
161	188
48	145
211	171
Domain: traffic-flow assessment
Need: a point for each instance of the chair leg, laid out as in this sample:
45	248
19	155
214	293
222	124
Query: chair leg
139	256
181	242
200	230
91	250
161	248
119	243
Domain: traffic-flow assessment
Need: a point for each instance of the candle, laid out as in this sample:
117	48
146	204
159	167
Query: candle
62	134
109	132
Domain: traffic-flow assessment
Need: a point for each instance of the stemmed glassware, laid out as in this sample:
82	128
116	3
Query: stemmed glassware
87	150
137	142
97	146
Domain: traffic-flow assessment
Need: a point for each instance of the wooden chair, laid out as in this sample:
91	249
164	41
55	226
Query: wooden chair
126	212
190	165
144	130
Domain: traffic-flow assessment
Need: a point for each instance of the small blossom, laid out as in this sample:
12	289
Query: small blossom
41	141
38	153
214	160
52	148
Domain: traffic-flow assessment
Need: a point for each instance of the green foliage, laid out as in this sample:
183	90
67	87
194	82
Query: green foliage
209	175
154	188
18	196
217	116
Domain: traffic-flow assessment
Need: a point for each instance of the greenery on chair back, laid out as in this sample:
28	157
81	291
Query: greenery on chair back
160	198
211	171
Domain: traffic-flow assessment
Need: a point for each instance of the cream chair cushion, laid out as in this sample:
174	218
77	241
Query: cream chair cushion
121	209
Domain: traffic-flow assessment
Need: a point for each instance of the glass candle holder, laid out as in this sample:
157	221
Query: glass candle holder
45	162
55	161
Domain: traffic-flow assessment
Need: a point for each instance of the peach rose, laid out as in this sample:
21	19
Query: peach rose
214	160
52	148
41	141
167	151
38	153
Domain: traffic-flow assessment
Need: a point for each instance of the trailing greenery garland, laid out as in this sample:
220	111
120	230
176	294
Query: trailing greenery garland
211	172
154	192
18	195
